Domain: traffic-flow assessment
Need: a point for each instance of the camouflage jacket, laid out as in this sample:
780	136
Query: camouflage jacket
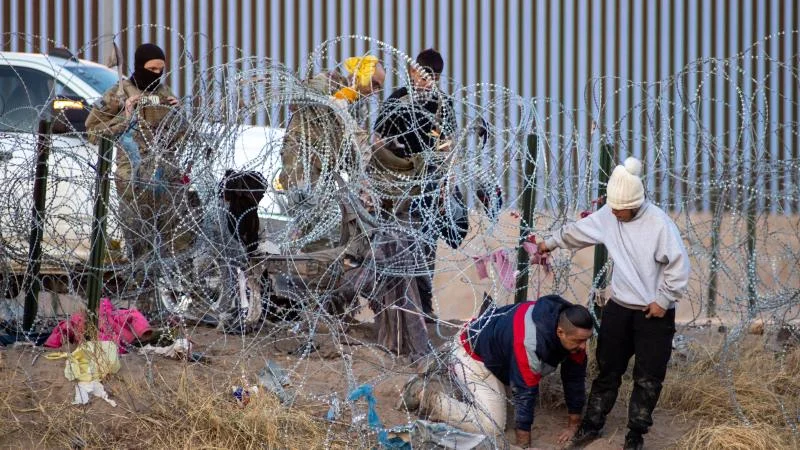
313	135
107	117
148	141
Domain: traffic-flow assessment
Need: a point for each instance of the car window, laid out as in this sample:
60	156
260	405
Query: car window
100	79
23	95
64	91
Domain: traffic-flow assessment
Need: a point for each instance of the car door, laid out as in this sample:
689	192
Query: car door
25	97
22	95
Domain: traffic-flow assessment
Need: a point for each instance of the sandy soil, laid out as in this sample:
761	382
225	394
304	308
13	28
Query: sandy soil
458	290
458	295
316	378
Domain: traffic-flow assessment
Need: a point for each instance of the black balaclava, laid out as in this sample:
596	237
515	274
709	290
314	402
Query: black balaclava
144	79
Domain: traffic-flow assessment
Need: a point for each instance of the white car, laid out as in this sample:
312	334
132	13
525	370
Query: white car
29	83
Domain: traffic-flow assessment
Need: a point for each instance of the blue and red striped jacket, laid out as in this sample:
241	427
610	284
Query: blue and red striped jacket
519	345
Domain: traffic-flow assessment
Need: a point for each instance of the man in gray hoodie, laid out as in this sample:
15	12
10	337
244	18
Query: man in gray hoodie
651	272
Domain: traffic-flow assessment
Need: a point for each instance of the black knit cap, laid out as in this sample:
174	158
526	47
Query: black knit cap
146	52
431	61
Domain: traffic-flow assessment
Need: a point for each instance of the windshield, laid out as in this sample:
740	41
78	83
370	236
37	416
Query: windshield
100	79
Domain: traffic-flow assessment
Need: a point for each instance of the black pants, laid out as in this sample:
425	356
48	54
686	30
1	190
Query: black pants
624	333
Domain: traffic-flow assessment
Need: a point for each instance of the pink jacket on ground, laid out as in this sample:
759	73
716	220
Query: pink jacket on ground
121	326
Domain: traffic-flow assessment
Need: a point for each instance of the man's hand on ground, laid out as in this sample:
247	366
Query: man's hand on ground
572	427
653	310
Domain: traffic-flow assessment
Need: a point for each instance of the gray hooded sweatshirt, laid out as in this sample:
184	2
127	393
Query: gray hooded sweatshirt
650	261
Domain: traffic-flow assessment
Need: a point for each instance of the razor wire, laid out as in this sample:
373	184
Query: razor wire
359	233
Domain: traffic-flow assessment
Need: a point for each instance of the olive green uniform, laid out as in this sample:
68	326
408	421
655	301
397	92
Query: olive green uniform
152	200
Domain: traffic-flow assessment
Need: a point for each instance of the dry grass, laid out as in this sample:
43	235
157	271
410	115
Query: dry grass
699	391
766	388
761	381
189	407
182	413
735	437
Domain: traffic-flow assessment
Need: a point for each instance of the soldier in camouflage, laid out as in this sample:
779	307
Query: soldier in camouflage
317	144
139	115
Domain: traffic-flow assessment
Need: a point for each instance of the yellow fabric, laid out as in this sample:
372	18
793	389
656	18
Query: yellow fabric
362	68
91	361
346	93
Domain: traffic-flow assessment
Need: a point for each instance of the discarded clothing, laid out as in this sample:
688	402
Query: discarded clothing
14	336
421	432
273	378
91	361
179	349
504	267
365	391
121	326
87	365
84	388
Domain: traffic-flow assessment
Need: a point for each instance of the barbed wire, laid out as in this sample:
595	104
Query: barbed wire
283	234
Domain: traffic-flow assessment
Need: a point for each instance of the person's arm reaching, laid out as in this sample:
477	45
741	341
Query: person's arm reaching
576	235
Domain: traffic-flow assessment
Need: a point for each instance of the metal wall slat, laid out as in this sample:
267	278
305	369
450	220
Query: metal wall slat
787	110
58	25
796	110
539	49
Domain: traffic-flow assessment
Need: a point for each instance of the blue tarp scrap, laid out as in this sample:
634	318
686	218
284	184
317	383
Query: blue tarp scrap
423	431
273	378
365	391
335	411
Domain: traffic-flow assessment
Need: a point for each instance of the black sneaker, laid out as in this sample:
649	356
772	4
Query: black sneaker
583	437
633	441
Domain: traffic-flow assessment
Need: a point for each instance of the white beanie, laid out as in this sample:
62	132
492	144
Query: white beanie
625	189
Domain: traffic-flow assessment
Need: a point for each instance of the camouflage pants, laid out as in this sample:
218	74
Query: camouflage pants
624	333
154	225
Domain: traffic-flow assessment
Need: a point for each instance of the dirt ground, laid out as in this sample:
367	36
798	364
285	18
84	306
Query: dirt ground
459	292
33	390
42	391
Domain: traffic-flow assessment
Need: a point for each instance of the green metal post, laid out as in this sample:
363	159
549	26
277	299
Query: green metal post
526	221
752	274
717	203
98	251
599	278
33	284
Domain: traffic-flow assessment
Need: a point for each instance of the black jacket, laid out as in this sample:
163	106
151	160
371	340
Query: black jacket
406	120
519	345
